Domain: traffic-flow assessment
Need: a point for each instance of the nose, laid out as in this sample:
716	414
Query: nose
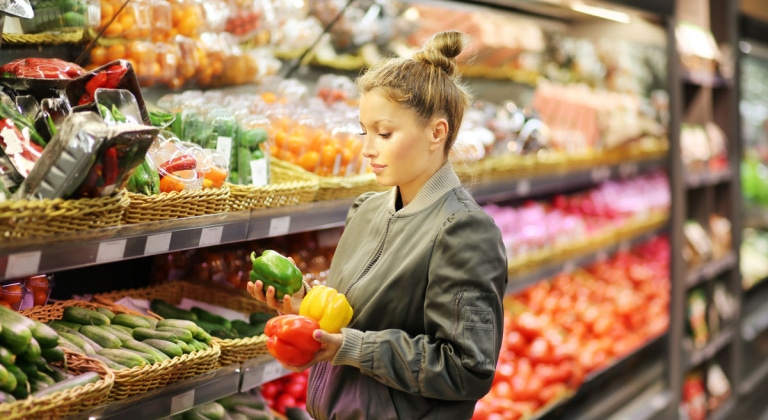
369	148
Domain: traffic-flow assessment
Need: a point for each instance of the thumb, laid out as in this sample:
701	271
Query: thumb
326	337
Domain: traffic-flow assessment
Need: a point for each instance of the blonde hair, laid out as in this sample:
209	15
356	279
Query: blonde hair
429	83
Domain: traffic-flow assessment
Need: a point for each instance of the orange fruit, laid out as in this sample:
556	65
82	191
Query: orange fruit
115	52
309	160
295	144
98	55
328	156
114	30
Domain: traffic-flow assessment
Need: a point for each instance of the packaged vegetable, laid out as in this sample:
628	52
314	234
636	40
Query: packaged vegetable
21	152
117	106
66	160
144	179
118	74
117	157
40	68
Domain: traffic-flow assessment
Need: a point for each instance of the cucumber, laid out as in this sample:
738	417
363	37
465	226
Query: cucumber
6	357
75	381
45	378
109	314
119	333
131	321
22	382
180	333
58	374
231	401
211	410
10	382
76	340
178	323
45	335
186	348
15	334
209	326
142	334
36	385
101	336
27	367
167	347
224	334
60	325
123	328
244	329
55	354
198	345
84	316
66	344
166	310
257	318
123	357
193	415
145	348
150	358
203	315
109	362
254	413
33	351
94	345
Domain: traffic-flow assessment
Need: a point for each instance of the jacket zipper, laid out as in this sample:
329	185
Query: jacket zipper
374	260
323	367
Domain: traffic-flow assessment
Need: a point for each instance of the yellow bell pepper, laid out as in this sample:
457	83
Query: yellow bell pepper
328	307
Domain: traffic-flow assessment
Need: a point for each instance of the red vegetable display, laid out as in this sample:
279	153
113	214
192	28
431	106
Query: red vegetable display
41	68
108	78
290	339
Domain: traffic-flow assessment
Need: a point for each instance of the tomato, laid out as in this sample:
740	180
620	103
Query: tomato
539	351
551	391
503	390
516	342
529	325
504	372
284	401
270	389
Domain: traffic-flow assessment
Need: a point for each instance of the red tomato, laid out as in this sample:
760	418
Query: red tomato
551	391
516	342
270	390
529	325
284	401
504	372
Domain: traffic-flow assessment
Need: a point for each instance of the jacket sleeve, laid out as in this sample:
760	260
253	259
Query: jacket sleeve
455	359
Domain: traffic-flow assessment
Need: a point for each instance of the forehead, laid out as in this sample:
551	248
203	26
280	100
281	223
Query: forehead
375	107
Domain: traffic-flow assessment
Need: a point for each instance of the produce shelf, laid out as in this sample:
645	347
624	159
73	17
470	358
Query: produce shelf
521	280
172	399
260	370
710	270
754	324
607	390
698	356
20	258
707	179
751	382
647	406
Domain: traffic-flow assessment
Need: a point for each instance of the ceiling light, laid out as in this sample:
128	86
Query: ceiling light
601	12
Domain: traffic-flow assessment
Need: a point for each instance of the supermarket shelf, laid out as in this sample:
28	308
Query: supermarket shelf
508	189
754	379
754	324
647	406
696	357
614	387
174	398
724	411
707	178
19	258
519	281
710	270
260	370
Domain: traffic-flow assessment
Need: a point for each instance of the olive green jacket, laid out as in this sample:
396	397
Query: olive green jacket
426	284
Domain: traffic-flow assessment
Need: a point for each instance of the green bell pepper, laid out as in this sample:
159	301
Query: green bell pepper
277	271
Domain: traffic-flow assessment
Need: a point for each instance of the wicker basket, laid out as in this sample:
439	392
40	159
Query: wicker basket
138	380
290	185
47	38
232	350
47	218
68	402
175	205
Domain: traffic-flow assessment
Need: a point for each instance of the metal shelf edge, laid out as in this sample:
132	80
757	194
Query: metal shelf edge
698	356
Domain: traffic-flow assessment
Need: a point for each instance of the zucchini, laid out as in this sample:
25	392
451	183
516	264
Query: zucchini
203	315
61	325
55	354
166	310
142	334
84	316
180	333
145	348
109	314
45	335
131	321
123	357
75	381
224	334
209	326
101	336
15	334
167	347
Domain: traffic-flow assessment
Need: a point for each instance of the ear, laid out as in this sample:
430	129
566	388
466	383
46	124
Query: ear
439	133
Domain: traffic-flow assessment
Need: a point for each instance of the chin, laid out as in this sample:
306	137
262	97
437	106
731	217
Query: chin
384	181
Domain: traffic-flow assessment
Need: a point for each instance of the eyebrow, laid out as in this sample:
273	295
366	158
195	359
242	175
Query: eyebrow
378	121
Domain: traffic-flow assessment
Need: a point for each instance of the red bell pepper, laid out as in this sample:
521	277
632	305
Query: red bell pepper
110	166
177	163
108	78
289	339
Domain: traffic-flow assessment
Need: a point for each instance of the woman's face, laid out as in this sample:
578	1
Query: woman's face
402	151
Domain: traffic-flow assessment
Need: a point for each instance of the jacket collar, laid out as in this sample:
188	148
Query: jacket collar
444	180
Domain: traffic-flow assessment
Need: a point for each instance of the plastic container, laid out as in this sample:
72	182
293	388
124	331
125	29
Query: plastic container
134	22
38	290
13	295
62	15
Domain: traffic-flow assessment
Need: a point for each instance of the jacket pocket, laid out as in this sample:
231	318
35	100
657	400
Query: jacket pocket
479	330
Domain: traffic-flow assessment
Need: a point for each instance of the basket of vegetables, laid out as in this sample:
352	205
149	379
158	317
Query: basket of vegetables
41	379
143	353
289	186
240	335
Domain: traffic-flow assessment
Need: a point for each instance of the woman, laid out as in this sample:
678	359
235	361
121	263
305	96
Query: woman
422	265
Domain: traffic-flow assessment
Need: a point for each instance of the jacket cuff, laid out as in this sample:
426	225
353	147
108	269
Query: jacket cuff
351	349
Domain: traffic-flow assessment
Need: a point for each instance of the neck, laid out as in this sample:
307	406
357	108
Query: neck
409	191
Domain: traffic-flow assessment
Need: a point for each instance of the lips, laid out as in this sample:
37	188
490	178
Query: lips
377	168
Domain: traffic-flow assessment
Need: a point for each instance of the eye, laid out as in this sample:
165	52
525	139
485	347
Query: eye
363	133
385	135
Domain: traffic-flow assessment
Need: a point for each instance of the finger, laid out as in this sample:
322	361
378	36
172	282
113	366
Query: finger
271	301
287	304
326	337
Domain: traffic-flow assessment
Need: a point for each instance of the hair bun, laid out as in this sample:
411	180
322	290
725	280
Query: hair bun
441	51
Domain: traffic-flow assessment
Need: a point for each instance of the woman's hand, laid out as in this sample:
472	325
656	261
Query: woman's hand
330	346
288	305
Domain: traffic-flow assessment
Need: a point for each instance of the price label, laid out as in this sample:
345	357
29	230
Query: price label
158	244
259	172
22	264
279	226
111	251
252	378
211	235
224	146
183	401
523	187
272	371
